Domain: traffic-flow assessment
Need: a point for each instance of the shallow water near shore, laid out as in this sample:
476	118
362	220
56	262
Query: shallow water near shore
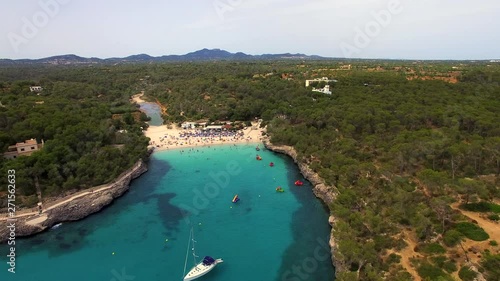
143	235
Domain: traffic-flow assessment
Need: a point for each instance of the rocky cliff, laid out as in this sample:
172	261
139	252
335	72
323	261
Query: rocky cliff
75	209
324	192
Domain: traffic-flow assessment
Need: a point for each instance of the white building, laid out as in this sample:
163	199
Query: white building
324	79
213	127
188	125
25	148
325	90
36	88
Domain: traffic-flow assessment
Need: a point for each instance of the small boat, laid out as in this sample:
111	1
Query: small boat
271	164
298	183
201	268
236	198
257	148
279	189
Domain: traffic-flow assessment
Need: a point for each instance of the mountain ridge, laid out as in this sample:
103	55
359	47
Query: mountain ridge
199	55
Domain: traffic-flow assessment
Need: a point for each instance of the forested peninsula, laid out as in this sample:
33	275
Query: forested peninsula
90	130
412	148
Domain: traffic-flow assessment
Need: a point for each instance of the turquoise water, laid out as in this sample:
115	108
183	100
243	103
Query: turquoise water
143	235
152	110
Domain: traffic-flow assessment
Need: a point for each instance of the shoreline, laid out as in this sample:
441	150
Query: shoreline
77	206
73	207
80	205
325	193
253	143
165	138
138	98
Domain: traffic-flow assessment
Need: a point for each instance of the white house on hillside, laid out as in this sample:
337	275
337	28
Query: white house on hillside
36	88
322	79
325	90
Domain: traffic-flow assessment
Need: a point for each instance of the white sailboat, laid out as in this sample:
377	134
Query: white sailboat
200	268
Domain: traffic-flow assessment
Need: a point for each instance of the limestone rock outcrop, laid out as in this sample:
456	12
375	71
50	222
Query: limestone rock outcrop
323	191
75	209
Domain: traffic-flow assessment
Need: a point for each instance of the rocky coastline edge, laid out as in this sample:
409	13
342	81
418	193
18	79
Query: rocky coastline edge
324	192
73	210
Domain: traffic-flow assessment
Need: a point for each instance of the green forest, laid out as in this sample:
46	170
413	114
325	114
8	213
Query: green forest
406	144
85	120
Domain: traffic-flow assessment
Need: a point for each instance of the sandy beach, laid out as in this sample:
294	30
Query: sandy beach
138	98
171	137
166	137
163	138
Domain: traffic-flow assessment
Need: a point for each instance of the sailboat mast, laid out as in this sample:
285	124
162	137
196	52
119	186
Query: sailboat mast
194	252
187	251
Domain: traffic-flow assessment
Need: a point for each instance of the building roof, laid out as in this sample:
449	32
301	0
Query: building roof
213	127
27	142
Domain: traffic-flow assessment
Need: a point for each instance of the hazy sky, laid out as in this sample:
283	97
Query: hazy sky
411	29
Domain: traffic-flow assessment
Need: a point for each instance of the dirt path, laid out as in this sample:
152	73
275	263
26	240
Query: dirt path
491	227
37	220
476	248
70	198
138	98
408	253
24	213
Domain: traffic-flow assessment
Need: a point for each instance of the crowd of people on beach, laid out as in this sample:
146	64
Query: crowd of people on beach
199	138
210	133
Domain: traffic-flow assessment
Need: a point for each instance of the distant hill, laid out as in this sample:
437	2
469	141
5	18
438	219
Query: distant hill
200	55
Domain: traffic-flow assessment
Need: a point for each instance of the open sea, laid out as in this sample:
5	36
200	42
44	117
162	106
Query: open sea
266	236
